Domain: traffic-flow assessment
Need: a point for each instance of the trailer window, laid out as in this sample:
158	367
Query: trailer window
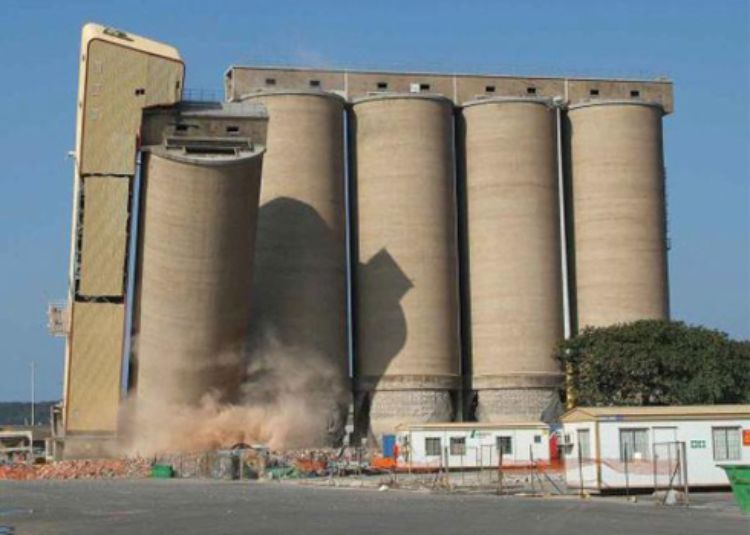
584	443
458	446
432	446
726	442
633	444
505	445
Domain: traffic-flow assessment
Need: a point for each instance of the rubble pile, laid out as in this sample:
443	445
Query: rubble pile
79	469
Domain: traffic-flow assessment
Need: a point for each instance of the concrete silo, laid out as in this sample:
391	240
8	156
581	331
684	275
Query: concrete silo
618	210
300	263
197	235
513	225
406	293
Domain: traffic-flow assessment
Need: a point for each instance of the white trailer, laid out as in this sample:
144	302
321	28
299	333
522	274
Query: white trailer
473	445
618	448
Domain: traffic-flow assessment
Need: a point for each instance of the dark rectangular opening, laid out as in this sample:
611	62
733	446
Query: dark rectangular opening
209	150
424	87
382	85
489	89
233	129
635	93
270	81
594	92
531	90
314	83
181	128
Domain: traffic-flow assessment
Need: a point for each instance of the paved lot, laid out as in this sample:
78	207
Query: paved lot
196	506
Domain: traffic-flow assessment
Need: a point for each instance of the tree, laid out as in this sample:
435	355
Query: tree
652	362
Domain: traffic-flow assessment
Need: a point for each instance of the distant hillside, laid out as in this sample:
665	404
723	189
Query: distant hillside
19	412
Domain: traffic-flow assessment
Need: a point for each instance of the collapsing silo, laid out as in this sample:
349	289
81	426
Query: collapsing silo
513	237
300	263
200	188
619	222
406	287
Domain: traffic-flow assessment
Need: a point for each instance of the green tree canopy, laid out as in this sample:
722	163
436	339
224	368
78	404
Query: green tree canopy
654	362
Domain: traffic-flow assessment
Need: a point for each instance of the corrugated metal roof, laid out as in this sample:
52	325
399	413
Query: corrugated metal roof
457	426
682	412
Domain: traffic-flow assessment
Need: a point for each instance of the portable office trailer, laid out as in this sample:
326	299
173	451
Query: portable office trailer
615	448
473	444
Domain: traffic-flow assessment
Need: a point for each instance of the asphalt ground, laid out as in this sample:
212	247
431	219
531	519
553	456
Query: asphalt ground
205	506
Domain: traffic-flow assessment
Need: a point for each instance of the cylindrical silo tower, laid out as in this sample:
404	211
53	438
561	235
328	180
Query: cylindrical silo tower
514	255
406	297
300	263
197	235
618	211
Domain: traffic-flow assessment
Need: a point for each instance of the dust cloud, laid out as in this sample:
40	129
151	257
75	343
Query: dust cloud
288	398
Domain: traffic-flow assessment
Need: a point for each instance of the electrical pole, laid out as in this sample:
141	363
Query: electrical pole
33	391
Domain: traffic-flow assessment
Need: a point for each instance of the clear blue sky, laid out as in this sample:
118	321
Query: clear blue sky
703	46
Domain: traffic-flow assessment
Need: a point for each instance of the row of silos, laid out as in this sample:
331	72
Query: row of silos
406	155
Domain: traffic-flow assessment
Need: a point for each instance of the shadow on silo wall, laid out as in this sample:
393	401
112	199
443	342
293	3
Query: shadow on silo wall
299	306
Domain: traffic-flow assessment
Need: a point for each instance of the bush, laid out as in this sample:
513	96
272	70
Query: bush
654	362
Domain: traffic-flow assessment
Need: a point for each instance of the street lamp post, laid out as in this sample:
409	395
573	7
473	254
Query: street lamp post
33	391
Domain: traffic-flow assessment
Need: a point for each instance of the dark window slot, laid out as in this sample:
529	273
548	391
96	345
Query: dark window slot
594	92
531	90
382	85
424	87
635	93
489	89
233	129
210	150
270	81
314	83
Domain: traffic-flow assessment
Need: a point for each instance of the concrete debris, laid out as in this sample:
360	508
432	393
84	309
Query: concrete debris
79	469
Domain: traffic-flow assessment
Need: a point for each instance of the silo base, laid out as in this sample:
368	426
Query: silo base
518	404
390	408
379	411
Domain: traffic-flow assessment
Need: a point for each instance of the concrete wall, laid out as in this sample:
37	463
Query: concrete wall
195	276
406	305
514	255
119	75
460	88
618	213
299	285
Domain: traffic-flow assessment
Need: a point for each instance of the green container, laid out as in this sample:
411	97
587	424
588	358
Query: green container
739	478
162	471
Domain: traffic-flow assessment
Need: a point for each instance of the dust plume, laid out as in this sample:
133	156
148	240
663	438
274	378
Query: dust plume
289	398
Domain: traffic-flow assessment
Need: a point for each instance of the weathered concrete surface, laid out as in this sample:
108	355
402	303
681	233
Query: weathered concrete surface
406	298
197	243
515	276
159	507
619	221
299	285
